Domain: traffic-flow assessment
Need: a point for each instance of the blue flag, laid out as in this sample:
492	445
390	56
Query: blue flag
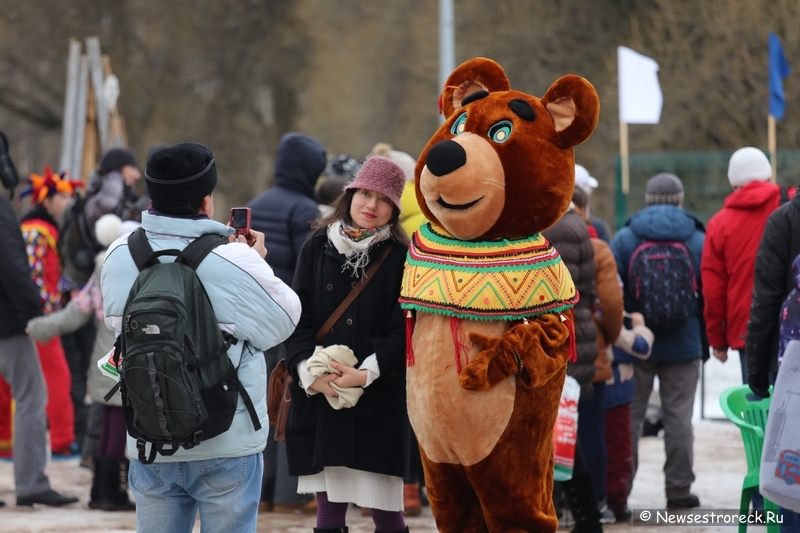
778	69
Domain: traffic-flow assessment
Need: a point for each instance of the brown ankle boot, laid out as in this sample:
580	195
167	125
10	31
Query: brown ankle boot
412	505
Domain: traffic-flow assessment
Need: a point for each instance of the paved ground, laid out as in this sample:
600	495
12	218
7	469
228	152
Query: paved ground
719	467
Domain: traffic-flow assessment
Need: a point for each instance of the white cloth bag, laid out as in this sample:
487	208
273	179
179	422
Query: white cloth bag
779	479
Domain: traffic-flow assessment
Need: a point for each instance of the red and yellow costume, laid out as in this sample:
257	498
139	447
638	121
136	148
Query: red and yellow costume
40	233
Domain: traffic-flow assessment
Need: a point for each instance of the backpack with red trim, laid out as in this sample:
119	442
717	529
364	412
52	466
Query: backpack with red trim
662	283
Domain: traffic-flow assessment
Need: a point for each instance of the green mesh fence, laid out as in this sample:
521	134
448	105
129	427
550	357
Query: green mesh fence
704	176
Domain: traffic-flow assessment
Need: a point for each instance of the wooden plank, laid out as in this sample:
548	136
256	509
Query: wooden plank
124	133
76	162
91	143
96	73
68	125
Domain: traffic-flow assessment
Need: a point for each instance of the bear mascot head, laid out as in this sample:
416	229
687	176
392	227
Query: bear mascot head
488	299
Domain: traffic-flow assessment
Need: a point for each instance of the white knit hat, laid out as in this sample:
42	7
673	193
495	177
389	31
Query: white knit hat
403	160
748	164
108	229
584	180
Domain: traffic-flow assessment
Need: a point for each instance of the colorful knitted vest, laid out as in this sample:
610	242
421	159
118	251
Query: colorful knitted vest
490	280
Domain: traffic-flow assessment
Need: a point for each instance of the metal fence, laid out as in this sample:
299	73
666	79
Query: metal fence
704	176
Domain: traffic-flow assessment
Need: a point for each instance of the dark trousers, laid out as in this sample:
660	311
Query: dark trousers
620	457
78	351
677	386
591	434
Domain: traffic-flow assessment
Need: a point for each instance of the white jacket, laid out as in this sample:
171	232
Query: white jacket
250	302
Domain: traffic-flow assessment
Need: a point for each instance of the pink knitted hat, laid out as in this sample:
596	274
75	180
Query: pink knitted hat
381	175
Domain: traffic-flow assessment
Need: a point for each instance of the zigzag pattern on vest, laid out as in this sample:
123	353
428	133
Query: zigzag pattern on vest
487	280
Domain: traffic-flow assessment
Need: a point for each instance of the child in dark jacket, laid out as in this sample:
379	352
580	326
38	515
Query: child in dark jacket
635	342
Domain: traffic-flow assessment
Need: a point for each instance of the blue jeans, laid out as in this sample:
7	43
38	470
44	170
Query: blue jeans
225	491
791	521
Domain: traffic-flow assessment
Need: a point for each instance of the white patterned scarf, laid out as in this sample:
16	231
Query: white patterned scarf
355	244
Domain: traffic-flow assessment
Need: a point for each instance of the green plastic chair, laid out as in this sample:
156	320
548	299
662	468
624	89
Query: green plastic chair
749	412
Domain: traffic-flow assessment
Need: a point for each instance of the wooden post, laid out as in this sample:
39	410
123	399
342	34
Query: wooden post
76	163
91	142
623	154
96	72
69	124
772	144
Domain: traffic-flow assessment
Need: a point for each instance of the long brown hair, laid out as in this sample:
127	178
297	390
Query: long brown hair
341	211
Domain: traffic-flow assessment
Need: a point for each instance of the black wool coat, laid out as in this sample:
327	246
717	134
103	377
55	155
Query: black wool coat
19	295
373	435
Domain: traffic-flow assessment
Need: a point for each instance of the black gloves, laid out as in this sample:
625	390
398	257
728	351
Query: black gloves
759	383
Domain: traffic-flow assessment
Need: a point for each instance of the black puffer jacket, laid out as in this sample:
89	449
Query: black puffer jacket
780	244
284	213
19	296
570	236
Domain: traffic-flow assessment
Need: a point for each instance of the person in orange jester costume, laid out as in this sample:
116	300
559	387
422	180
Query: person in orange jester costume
50	194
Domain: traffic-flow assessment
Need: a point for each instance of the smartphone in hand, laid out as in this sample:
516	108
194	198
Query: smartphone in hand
240	221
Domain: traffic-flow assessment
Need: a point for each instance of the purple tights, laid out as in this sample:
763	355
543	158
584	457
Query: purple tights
112	434
332	515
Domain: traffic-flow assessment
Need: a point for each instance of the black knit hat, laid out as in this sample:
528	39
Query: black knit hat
181	174
115	159
663	188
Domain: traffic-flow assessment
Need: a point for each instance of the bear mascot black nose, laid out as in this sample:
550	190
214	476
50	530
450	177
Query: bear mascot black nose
445	157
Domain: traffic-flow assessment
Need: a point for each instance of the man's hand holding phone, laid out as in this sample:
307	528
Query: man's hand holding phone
240	222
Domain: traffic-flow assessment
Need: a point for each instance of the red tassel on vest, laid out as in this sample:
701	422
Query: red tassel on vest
458	344
409	335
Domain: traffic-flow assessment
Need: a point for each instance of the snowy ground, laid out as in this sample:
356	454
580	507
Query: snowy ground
719	467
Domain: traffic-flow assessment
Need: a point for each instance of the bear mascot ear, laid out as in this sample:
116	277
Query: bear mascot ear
573	103
477	74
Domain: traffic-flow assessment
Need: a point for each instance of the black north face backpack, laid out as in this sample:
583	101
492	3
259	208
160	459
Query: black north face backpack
178	385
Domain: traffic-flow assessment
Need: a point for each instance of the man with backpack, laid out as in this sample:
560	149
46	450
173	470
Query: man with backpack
658	254
189	352
729	255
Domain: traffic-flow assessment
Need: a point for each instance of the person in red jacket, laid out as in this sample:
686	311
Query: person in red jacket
729	256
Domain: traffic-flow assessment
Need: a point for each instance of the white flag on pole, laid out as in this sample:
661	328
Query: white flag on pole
640	96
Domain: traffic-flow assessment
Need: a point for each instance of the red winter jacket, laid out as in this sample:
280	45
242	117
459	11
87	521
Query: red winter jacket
729	256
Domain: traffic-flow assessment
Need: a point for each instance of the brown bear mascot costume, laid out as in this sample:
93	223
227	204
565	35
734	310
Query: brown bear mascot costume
488	300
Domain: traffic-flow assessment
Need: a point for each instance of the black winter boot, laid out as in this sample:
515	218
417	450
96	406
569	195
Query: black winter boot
401	531
97	480
110	486
120	495
342	529
583	504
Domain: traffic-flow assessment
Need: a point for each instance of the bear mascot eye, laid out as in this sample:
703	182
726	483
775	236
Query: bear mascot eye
501	131
459	125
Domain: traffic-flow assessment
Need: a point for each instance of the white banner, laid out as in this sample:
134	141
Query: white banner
640	96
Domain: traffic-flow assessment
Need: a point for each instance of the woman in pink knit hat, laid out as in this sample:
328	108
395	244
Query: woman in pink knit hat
347	432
